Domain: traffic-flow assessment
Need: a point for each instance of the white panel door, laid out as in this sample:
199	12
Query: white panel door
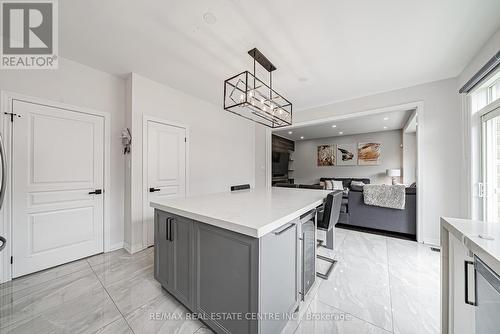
166	168
57	162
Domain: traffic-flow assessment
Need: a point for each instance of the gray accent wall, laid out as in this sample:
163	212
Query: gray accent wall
307	171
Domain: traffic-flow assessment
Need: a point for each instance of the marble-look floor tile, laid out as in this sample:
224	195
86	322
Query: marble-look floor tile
415	283
116	270
44	276
119	326
204	330
29	302
359	284
131	293
67	312
118	256
324	319
152	317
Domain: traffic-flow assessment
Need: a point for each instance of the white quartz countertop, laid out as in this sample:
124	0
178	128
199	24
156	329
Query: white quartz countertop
470	232
253	212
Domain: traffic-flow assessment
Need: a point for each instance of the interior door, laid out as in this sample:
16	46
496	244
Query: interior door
57	163
166	168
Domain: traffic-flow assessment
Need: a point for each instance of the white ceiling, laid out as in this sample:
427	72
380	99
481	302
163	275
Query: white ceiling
325	50
394	120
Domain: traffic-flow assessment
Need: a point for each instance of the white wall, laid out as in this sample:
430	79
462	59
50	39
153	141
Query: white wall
440	134
221	145
489	49
79	85
409	171
307	171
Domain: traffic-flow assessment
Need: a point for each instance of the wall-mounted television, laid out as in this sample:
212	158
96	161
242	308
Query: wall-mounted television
280	163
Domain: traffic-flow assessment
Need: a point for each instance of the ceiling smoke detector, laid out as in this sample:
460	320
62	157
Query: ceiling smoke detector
209	18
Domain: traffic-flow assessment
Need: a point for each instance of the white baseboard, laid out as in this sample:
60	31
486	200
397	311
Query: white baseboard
118	245
126	246
432	242
134	249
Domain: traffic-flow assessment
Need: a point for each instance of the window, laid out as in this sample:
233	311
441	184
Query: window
488	93
494	91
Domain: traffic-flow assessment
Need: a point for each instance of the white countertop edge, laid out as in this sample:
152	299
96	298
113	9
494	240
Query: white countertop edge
491	260
252	232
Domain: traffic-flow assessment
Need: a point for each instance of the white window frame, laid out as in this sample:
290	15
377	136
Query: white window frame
472	118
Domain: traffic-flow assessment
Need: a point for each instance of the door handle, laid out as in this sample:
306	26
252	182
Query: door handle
466	272
96	192
4	173
284	229
4	242
152	190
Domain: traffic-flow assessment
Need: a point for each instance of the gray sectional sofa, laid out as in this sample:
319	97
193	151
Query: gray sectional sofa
385	219
355	213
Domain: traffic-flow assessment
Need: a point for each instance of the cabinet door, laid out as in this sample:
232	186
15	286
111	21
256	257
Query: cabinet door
183	261
462	318
226	278
163	251
279	284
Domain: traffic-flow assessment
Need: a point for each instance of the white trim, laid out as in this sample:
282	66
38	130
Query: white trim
418	106
269	152
419	110
413	118
145	120
400	107
117	246
6	99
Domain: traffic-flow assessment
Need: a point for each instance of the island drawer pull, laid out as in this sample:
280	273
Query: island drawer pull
171	235
466	267
284	229
167	229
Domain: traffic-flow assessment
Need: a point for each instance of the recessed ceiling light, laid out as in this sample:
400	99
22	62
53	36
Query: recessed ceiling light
301	137
290	132
334	126
341	133
385	127
209	18
386	118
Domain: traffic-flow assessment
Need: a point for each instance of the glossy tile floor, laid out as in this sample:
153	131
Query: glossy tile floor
380	285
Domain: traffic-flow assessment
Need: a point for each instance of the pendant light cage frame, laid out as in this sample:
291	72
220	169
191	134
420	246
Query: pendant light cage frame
249	97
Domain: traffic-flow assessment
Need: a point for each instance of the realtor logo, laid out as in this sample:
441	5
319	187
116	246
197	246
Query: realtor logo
29	34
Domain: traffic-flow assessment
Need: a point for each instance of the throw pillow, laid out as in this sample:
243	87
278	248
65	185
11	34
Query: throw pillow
357	183
337	185
328	185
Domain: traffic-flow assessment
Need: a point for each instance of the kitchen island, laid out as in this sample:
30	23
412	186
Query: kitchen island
241	261
470	276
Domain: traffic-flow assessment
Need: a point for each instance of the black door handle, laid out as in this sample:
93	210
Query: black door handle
96	192
152	190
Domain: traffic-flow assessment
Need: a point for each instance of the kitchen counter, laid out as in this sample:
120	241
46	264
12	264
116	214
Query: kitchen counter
469	231
462	242
254	212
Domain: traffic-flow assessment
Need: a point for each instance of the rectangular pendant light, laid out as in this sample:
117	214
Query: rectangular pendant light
251	98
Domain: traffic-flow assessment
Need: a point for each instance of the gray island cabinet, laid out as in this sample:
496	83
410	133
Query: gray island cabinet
237	267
